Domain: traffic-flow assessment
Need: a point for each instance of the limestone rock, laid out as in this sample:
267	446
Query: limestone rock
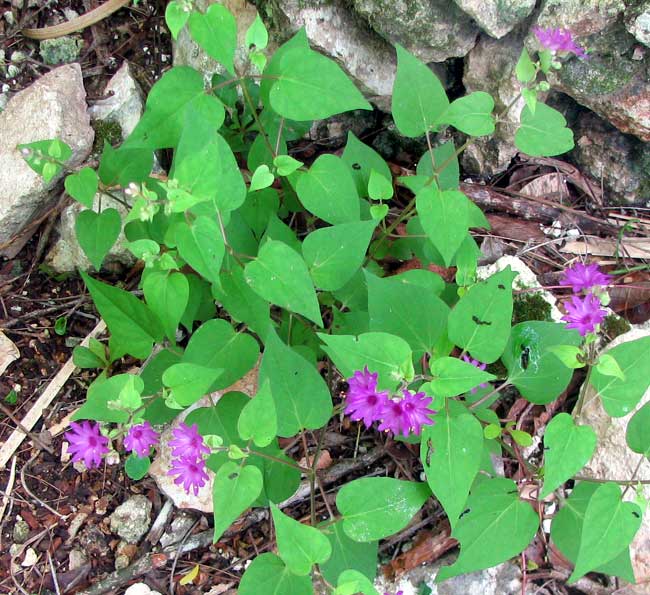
140	589
131	519
162	463
433	30
582	17
53	107
123	104
66	254
613	459
497	17
638	22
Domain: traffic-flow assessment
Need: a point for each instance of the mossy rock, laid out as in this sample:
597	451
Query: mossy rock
530	306
60	50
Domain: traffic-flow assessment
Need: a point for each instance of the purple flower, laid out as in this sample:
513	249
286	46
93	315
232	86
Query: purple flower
363	402
188	442
140	438
480	366
361	384
393	419
584	314
417	412
87	444
191	473
584	277
558	40
398	593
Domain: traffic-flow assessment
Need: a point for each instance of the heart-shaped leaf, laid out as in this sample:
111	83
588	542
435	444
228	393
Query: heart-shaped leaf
567	449
176	16
378	211
543	133
268	575
97	232
262	178
637	434
258	420
216	32
82	186
300	546
189	382
471	114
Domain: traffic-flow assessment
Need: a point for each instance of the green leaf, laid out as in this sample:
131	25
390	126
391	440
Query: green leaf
216	32
280	276
566	531
620	397
136	467
407	305
152	373
82	186
312	87
268	575
262	178
167	296
258	420
448	176
201	246
521	438
525	68
452	376
496	526
82	357
189	382
386	354
286	165
134	327
352	582
105	396
419	99
444	217
609	527
176	16
530	97
376	507
362	159
480	321
215	344
300	546
178	92
379	187
471	114
637	434
334	254
532	365
608	366
45	157
451	455
97	232
349	554
205	166
257	34
567	449
543	133
568	355
123	166
235	489
328	190
302	399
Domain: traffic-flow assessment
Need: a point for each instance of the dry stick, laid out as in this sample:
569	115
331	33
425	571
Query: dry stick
31	494
48	395
7	494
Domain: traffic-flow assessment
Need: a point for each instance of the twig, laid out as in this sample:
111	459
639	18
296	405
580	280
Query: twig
48	395
179	550
23	429
7	493
53	571
31	494
158	525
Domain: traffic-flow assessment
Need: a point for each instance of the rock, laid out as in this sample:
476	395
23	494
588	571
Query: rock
504	579
60	50
613	459
638	22
497	17
66	254
582	17
125	104
619	162
21	531
433	30
335	31
131	519
178	529
490	67
76	559
140	589
52	107
162	462
186	52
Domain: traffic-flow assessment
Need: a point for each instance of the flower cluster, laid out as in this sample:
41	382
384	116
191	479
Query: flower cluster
558	40
584	313
89	445
397	415
188	464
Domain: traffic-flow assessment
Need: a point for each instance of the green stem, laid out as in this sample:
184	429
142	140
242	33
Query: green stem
253	108
489	395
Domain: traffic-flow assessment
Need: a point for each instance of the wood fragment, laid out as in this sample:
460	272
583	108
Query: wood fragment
638	248
8	352
36	411
7	493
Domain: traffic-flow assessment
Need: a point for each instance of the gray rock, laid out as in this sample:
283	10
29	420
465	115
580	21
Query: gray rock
490	67
334	30
21	531
638	22
619	162
497	17
613	459
53	107
124	102
76	559
178	529
504	579
582	17
66	254
131	519
433	30
60	50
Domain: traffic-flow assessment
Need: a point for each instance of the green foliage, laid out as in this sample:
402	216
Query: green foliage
348	554
46	157
544	132
637	434
216	32
97	232
268	575
82	186
452	376
258	420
